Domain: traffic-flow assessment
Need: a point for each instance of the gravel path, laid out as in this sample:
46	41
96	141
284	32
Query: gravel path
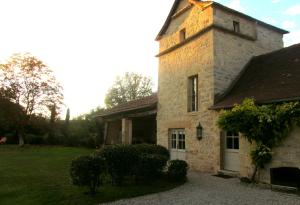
209	190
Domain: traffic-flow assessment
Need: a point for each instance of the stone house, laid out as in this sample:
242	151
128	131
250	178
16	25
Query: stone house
206	63
211	57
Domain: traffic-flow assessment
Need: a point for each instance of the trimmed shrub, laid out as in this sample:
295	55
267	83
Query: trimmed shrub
86	171
120	160
150	166
177	170
152	149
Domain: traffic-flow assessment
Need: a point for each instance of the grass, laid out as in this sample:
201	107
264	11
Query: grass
40	175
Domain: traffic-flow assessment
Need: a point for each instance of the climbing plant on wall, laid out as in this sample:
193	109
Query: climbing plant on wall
265	126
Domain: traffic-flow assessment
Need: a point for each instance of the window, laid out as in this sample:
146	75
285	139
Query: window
177	140
182	35
236	26
193	93
232	141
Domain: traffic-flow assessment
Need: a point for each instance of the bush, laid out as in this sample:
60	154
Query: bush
142	161
120	160
90	142
177	170
150	166
52	140
34	139
11	138
152	149
261	155
86	171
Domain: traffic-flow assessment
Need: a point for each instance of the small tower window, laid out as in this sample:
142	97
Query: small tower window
236	26
182	35
193	93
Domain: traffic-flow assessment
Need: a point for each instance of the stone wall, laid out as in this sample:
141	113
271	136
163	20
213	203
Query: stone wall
193	58
232	52
193	20
225	19
286	155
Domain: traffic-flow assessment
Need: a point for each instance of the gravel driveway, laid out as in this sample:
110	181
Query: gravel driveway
210	190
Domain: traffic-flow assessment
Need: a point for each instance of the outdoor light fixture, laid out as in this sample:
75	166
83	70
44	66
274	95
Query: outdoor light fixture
199	133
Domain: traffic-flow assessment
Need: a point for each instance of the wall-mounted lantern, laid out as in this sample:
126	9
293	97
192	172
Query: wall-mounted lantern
199	133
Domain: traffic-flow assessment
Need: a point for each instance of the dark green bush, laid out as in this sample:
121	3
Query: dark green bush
150	166
34	139
90	142
86	171
11	138
52	140
141	161
120	160
177	170
152	149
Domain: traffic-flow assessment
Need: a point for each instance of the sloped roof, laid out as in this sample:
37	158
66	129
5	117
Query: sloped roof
272	77
205	3
135	105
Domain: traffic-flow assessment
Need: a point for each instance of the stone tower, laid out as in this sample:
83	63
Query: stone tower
203	48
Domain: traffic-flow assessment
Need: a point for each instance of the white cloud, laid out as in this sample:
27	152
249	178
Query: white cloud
293	11
270	20
289	25
236	5
292	38
275	1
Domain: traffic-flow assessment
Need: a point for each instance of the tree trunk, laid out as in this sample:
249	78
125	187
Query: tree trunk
21	139
254	174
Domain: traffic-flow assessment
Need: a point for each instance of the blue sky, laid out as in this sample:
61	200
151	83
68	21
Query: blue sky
281	13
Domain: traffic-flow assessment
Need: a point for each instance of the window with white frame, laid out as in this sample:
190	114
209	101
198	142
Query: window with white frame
232	141
177	139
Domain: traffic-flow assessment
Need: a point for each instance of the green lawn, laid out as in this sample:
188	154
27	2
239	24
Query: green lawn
40	175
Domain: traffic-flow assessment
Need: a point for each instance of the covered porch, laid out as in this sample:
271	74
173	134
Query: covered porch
133	122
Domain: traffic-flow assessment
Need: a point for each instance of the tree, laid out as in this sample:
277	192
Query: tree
27	82
67	120
10	116
129	87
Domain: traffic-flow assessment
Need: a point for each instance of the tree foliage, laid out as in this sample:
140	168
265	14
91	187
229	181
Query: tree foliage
129	87
27	82
10	115
265	125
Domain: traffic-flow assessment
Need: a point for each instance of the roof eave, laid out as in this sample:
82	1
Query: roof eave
220	107
209	3
151	106
168	20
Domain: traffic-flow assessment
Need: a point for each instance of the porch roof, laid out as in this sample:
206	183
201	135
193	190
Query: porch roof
145	103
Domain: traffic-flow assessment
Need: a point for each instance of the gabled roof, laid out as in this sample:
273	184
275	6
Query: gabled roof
272	77
203	4
135	105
